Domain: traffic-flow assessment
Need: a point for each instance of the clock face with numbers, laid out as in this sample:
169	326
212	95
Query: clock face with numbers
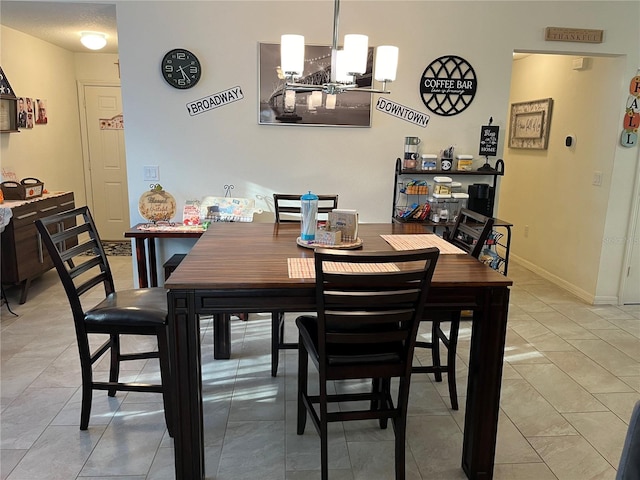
181	68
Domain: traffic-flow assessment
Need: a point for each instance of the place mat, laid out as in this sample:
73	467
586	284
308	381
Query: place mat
305	267
415	242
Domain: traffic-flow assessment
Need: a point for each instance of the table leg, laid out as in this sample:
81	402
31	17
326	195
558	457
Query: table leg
222	336
153	268
489	328
184	345
141	259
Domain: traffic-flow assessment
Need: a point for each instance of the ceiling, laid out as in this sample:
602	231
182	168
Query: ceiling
60	23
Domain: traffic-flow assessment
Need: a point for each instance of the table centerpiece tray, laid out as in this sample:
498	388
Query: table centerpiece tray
357	243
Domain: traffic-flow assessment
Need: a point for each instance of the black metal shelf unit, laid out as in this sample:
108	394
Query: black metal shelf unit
497	260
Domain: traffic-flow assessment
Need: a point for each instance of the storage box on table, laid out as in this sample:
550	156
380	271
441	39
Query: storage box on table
27	188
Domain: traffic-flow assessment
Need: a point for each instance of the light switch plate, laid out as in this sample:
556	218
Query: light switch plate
151	173
597	178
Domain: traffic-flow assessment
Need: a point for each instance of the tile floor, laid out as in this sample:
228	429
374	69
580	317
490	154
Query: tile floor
571	378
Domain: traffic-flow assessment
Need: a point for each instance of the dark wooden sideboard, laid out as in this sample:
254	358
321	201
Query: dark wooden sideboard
23	254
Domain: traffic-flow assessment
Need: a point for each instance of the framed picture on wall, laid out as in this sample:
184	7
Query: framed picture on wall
41	107
22	113
29	105
530	123
280	107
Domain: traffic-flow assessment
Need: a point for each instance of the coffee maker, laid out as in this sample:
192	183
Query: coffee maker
481	198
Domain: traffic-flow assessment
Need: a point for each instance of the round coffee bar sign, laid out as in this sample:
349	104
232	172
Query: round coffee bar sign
448	85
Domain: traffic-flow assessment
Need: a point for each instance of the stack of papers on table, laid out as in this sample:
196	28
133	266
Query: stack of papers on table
230	209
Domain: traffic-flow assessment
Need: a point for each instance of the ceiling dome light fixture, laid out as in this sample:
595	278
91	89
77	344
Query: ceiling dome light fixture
93	40
346	62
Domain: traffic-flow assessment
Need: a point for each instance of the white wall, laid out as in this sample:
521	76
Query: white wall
198	155
97	67
51	152
549	194
228	146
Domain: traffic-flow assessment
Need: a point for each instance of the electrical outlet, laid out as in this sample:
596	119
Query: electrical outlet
151	173
526	231
597	178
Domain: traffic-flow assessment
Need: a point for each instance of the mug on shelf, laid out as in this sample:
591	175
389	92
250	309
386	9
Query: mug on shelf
411	148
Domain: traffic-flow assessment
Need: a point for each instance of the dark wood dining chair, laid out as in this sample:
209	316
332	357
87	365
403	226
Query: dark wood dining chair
74	245
469	233
629	464
288	210
288	207
369	307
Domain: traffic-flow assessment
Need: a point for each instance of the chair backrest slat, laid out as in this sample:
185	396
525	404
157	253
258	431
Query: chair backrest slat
370	298
79	269
80	249
365	338
290	205
63	234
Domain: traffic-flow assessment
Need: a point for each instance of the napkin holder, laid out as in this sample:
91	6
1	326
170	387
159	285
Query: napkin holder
345	221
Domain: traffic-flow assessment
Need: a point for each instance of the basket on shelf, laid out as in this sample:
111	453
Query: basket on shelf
417	190
27	188
416	187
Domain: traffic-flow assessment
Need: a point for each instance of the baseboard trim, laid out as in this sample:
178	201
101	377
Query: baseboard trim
578	292
606	300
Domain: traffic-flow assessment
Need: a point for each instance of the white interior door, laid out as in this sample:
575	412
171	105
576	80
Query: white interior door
108	190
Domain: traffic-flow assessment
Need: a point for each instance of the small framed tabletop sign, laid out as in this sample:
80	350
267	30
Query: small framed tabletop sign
529	124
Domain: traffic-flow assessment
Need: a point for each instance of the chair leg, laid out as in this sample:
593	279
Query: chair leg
435	350
303	362
400	428
114	372
277	326
375	388
87	393
324	451
451	359
384	391
166	379
324	432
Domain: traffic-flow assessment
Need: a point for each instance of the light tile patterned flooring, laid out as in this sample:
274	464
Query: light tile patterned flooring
571	378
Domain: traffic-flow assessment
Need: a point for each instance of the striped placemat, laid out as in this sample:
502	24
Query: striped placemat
305	267
414	242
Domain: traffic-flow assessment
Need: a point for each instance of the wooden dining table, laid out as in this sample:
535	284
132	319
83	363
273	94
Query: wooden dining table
244	267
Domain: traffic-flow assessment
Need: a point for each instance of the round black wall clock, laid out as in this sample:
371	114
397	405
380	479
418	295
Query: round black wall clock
448	85
181	68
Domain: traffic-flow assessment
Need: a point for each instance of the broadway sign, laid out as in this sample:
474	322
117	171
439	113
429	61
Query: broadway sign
214	101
